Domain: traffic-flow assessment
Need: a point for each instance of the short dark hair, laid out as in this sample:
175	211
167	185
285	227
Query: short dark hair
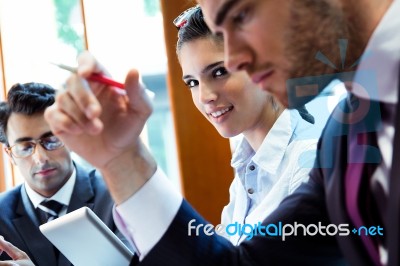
195	28
28	99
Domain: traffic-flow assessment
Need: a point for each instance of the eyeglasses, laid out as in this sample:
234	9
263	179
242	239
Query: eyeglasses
24	149
182	19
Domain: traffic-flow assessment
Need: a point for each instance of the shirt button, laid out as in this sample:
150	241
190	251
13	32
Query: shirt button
250	191
252	167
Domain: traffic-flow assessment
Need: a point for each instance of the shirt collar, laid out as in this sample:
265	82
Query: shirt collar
63	195
382	59
270	154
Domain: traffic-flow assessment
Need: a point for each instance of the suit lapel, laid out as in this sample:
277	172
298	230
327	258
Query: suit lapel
334	151
83	192
39	247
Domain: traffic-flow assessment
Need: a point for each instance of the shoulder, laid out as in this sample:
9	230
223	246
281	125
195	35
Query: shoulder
90	179
9	200
332	145
86	171
10	195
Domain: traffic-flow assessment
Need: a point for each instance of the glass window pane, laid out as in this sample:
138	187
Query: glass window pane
35	33
127	34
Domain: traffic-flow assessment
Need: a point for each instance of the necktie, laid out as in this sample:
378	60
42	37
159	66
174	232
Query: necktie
363	158
48	210
381	178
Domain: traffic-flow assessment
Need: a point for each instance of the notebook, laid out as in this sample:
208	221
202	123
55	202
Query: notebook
85	240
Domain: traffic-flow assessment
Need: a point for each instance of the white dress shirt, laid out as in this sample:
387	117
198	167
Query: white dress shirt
264	178
62	196
145	217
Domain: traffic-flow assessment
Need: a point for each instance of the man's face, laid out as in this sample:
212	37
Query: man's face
277	40
44	171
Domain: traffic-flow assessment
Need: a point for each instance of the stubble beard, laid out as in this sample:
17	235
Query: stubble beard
316	26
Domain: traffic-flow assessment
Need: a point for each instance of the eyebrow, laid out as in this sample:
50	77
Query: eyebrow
223	11
44	135
205	70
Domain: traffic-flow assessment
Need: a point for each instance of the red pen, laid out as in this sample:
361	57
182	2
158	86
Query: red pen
94	77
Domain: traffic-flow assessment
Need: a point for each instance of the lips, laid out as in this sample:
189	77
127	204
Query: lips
220	112
45	171
261	76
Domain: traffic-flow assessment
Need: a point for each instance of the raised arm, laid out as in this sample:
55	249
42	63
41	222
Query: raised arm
102	124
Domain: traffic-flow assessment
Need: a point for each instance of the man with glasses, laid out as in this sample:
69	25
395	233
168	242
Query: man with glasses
54	183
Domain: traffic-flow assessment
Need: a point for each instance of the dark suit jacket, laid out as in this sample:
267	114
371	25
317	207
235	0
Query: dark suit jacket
19	225
321	199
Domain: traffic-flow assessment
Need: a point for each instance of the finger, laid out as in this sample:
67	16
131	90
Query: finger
84	98
14	252
8	263
68	107
137	95
59	122
62	124
88	64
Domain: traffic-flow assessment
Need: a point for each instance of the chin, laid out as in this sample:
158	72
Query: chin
226	134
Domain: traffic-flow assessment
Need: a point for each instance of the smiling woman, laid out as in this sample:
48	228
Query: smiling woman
270	161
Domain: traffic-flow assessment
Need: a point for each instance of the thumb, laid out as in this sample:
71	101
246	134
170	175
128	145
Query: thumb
139	99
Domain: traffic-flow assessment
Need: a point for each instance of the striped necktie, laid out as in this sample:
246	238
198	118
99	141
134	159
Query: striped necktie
363	159
48	210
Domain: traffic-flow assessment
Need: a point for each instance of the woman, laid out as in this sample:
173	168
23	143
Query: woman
275	154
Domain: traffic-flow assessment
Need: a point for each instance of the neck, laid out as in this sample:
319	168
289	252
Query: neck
377	11
369	13
256	135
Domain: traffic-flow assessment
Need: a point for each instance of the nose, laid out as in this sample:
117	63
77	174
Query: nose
207	93
237	53
40	154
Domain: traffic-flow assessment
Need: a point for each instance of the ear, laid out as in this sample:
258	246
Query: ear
10	155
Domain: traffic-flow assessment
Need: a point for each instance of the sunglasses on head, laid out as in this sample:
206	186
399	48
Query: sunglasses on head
182	19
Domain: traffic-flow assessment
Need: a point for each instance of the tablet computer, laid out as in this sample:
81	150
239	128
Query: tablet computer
85	240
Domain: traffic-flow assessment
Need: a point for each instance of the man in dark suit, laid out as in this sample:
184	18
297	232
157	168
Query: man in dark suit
354	183
49	173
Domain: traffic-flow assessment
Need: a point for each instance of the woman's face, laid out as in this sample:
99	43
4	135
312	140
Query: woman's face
230	101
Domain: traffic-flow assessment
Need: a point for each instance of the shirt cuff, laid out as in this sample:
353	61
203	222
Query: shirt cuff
145	216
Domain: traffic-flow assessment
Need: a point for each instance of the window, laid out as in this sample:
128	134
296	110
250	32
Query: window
34	33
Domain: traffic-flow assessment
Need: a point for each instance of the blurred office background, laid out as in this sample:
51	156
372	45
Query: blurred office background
122	34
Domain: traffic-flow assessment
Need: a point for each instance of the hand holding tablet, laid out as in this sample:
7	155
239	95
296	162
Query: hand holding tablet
85	240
